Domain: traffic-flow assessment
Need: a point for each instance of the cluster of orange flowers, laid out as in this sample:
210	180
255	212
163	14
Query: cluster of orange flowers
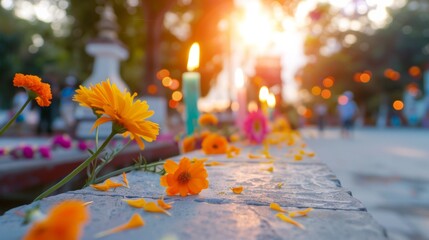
35	88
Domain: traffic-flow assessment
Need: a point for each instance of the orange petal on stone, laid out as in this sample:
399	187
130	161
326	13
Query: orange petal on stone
152	207
287	219
237	190
163	204
137	203
303	212
267	162
125	180
302	152
113	184
135	221
253	156
213	163
87	203
311	154
276	207
297	157
100	187
270	169
279	185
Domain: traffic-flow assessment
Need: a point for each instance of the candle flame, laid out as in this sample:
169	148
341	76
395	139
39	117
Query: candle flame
194	57
239	78
271	100
263	94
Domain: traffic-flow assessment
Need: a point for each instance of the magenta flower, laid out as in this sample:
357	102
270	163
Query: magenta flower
82	145
63	141
256	126
45	152
27	152
2	152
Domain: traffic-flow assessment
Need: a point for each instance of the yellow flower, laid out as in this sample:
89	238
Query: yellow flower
303	212
208	119
127	114
276	207
63	221
184	178
214	144
237	190
34	84
287	219
106	185
135	221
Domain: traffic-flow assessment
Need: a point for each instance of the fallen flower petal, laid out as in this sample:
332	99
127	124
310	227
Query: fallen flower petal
163	204
268	162
279	185
213	163
113	184
270	169
87	203
276	207
152	207
237	190
137	203
298	157
311	154
106	185
287	219
125	180
100	187
302	152
135	221
303	212
253	156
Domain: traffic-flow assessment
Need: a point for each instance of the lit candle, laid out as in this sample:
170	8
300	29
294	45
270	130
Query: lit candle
191	89
271	102
239	82
263	96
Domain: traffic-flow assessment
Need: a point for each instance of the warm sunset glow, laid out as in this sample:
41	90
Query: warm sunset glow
398	105
328	82
271	100
177	96
194	57
263	94
316	90
239	78
326	93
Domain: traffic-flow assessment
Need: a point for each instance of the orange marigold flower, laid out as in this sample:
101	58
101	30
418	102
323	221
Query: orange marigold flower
189	144
184	178
64	221
214	144
208	119
127	114
35	87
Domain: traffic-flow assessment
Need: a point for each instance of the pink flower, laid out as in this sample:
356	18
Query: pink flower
82	145
27	152
256	126
2	151
45	152
63	141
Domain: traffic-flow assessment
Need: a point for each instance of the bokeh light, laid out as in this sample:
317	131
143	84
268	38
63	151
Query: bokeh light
175	84
398	105
316	90
177	96
172	103
328	82
163	73
326	93
365	77
414	71
343	100
152	89
166	82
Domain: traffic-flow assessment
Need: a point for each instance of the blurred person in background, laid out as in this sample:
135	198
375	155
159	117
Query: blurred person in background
67	106
347	111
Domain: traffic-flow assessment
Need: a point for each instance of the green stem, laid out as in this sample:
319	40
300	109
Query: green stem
76	170
126	169
12	120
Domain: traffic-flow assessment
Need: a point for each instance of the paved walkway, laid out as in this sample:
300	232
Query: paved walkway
217	213
387	169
